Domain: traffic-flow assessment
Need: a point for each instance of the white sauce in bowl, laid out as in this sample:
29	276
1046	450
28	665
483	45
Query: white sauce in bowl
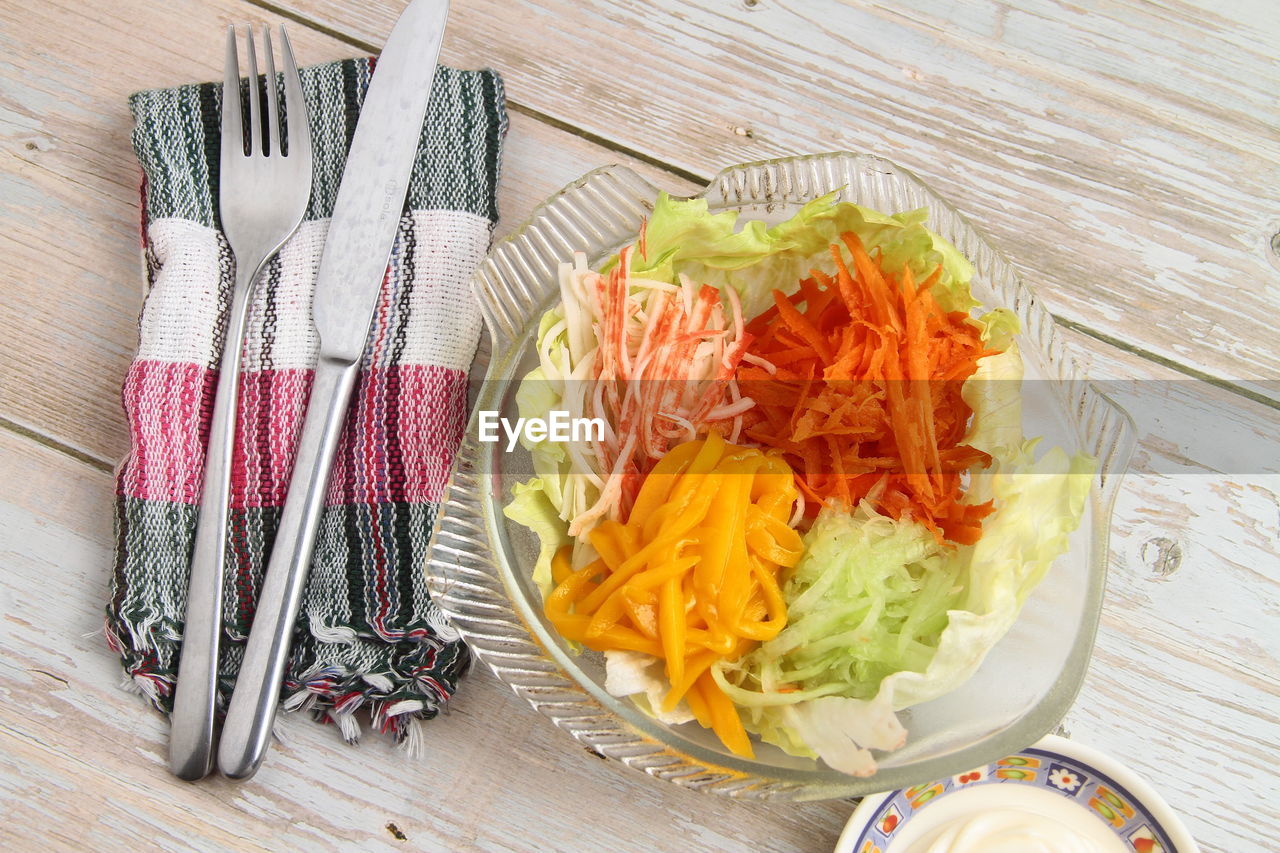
1005	818
1007	831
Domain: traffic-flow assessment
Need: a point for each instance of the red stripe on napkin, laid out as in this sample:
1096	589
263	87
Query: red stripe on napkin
401	434
163	403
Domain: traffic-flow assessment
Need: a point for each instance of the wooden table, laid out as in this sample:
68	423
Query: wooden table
1126	158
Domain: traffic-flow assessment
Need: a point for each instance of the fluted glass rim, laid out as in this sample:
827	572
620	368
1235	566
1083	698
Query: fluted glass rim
476	587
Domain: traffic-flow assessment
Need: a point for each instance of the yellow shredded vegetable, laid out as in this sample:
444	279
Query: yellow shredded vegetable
692	576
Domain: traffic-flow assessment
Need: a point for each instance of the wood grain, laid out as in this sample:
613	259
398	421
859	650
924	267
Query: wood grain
1098	147
72	277
1123	155
1184	678
83	764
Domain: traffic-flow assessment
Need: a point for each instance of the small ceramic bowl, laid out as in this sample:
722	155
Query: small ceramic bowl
1079	786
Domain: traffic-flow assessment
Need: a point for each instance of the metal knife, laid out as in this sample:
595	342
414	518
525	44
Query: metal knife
366	215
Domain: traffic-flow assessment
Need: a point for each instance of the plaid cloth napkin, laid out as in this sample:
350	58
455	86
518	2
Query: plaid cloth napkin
368	634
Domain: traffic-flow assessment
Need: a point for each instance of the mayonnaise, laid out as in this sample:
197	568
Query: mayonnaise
1003	818
1008	831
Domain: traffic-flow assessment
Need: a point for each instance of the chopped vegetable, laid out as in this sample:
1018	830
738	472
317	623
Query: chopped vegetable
882	617
654	362
868	599
862	392
664	372
692	578
880	412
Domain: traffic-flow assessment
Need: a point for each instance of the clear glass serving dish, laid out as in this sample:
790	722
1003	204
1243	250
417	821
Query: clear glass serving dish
480	566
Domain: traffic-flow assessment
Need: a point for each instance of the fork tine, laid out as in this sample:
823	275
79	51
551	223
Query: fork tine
274	144
255	109
231	127
295	105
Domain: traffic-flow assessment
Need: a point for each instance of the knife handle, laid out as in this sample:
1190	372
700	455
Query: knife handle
196	690
246	732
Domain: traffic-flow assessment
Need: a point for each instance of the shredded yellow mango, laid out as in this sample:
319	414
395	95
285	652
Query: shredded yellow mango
692	577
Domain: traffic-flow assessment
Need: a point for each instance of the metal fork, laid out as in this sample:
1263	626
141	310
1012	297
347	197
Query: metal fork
262	196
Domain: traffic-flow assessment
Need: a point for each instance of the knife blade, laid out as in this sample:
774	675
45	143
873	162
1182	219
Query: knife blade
353	264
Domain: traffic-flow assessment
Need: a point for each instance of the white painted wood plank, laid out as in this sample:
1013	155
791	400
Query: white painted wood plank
1123	155
72	277
83	764
1185	674
1184	682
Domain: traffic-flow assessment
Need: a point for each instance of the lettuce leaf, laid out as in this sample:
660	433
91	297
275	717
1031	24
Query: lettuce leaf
683	237
536	397
531	507
881	617
684	230
902	238
843	731
994	393
642	677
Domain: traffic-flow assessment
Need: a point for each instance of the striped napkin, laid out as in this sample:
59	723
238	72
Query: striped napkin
368	634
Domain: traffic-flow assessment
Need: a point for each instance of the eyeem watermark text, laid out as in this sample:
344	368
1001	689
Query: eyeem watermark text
557	426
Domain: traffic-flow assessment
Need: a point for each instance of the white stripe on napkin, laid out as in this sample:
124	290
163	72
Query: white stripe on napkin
443	317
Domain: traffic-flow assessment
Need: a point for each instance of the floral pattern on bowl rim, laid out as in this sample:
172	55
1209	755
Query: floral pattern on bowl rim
1075	778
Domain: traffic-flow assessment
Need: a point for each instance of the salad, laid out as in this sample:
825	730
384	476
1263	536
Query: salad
810	504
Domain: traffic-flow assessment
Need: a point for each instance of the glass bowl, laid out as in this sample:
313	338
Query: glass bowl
480	566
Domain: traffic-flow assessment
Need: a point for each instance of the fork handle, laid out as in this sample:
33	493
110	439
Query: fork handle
246	731
196	691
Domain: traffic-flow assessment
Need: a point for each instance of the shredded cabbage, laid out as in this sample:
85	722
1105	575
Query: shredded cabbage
881	615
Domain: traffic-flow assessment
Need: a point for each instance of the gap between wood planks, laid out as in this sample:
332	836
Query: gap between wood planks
694	177
513	106
620	148
1155	358
40	438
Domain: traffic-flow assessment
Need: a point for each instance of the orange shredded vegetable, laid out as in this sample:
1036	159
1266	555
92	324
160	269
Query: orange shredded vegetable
692	576
864	399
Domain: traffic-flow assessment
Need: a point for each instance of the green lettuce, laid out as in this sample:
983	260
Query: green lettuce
882	617
683	237
536	398
531	507
543	502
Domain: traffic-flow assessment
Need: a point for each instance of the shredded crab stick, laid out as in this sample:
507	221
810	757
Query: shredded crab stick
856	379
692	576
657	363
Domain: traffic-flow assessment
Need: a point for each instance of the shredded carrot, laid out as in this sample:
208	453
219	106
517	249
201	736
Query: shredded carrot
864	401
